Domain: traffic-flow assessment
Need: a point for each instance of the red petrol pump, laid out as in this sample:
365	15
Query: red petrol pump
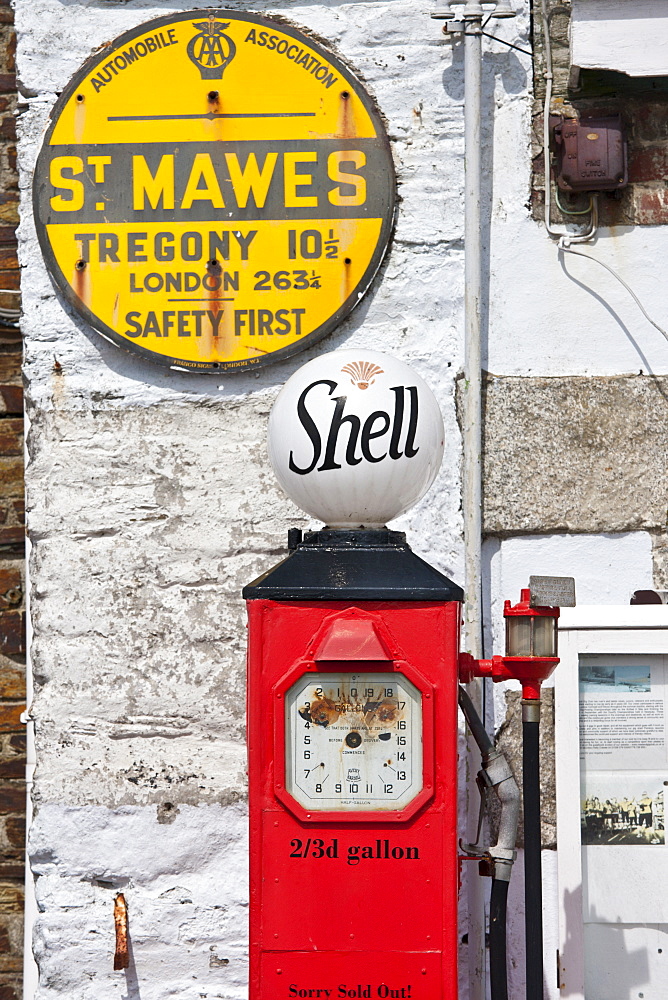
352	736
353	686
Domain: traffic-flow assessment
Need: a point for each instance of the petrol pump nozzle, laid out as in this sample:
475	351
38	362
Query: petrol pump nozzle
495	774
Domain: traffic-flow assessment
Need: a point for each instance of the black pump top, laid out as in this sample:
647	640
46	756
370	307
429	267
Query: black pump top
359	565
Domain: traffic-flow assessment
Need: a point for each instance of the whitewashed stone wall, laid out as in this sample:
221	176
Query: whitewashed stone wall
151	504
150	501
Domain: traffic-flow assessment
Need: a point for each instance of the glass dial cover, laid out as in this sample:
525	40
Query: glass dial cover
353	741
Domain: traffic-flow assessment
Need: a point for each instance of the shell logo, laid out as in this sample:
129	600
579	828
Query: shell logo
362	373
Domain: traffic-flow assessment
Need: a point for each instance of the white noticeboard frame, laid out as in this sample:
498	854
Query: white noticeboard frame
621	632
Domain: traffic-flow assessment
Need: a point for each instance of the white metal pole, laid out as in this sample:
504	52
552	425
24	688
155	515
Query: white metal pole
472	486
472	446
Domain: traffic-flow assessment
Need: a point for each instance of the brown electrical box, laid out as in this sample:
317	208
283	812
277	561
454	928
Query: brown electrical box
590	154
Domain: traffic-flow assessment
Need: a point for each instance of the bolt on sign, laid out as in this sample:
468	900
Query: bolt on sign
215	191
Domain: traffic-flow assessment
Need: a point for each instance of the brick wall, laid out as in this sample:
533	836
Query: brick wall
643	105
12	626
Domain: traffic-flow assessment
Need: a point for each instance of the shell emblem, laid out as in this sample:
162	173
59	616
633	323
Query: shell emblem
362	373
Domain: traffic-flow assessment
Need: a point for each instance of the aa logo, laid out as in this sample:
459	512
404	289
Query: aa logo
210	49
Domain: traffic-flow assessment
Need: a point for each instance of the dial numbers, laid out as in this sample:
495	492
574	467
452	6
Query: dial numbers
353	741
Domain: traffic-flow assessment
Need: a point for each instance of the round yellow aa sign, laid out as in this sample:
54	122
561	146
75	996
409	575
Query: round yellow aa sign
215	191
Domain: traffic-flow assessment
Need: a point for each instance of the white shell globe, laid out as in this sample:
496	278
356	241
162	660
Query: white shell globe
355	438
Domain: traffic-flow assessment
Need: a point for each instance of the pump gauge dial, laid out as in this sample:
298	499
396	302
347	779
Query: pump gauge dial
353	741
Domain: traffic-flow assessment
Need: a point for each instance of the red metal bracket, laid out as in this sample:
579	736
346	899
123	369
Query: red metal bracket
530	671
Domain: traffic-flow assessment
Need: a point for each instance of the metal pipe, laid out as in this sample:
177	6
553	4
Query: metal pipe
549	81
472	408
533	886
472	434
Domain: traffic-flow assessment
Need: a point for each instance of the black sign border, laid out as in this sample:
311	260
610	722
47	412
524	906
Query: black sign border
216	367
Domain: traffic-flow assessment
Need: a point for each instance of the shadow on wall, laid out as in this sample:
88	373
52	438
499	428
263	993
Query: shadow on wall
504	65
515	80
630	969
131	980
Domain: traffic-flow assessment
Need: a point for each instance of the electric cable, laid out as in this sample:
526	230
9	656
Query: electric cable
510	45
562	245
549	80
572	211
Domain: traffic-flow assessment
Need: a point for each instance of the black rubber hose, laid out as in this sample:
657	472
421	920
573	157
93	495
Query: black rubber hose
498	974
480	734
533	888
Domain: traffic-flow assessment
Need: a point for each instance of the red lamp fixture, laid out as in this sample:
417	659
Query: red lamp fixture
531	648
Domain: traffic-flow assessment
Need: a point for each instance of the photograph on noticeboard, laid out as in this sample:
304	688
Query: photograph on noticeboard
622	809
622	679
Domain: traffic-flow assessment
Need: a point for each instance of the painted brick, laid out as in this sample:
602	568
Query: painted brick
11	437
9	212
648	164
14	536
11	897
11	476
651	206
12	632
11	869
648	121
10	718
14	768
11	396
12	798
12	687
9	278
10	364
10	576
15	830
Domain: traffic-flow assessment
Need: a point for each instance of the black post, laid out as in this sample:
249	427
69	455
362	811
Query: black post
533	888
